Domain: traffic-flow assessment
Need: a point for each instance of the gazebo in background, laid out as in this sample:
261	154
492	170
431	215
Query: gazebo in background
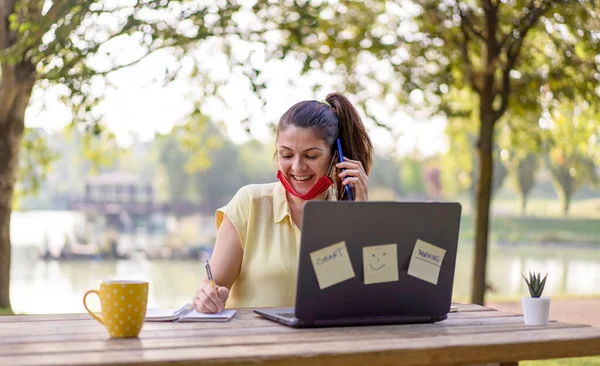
120	207
123	199
123	216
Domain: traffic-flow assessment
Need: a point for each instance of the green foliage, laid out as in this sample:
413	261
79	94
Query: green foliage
572	148
521	141
411	174
180	155
386	173
535	284
34	164
499	173
430	49
523	174
72	43
197	163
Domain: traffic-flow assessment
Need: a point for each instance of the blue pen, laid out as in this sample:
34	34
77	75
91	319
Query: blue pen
341	155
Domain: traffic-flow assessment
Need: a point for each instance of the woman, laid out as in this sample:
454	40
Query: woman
255	258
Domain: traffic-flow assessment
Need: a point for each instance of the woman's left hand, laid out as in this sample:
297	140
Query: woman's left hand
357	178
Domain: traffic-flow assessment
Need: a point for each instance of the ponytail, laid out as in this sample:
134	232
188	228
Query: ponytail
356	144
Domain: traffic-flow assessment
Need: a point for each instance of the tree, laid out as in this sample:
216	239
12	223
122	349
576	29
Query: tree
501	51
568	174
499	173
572	148
523	170
521	149
433	181
48	43
411	174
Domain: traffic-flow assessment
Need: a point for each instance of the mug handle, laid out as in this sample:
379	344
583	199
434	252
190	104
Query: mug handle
88	309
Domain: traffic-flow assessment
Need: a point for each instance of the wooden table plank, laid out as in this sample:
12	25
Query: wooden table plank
194	341
246	324
468	348
181	330
473	335
242	319
462	308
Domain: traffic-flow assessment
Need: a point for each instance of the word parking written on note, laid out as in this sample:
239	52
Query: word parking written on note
426	261
332	265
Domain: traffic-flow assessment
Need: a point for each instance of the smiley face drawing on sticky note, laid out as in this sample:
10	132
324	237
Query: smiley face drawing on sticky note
380	263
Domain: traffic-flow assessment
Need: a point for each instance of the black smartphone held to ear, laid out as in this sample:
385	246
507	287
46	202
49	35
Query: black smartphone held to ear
341	155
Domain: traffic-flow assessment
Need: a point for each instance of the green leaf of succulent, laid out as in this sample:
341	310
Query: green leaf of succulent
535	284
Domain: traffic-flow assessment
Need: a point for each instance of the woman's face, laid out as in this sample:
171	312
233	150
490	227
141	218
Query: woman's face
303	158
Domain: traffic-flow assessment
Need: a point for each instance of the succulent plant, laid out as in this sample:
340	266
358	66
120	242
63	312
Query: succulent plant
535	283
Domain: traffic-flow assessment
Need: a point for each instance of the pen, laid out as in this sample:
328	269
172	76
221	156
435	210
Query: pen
209	274
341	155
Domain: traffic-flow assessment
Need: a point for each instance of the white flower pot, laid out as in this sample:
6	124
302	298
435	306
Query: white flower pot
536	310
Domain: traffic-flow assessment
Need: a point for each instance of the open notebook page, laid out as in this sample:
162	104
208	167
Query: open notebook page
186	314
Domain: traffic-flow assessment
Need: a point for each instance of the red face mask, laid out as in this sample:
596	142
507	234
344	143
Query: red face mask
321	186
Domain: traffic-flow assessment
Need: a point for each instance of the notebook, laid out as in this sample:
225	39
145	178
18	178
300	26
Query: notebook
186	314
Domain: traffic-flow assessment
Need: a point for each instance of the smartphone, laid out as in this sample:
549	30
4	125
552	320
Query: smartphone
341	155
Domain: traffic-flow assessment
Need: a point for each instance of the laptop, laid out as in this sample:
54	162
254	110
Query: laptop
363	224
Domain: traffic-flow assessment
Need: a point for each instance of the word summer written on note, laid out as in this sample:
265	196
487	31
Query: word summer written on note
426	261
332	265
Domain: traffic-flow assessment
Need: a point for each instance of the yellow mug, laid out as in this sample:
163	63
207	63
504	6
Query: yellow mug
123	307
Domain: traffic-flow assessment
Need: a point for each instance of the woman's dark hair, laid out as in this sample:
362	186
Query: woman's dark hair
340	120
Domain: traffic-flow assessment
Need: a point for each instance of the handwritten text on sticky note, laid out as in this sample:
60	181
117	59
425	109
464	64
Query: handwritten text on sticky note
426	261
332	265
380	263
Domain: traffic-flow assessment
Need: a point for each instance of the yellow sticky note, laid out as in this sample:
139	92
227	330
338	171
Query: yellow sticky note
380	263
332	264
426	261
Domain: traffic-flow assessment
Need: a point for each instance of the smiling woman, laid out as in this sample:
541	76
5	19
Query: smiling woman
255	259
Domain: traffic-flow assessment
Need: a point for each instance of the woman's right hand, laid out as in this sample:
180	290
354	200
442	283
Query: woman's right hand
209	300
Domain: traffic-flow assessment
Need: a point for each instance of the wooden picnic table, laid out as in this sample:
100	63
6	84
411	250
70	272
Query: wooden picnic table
474	334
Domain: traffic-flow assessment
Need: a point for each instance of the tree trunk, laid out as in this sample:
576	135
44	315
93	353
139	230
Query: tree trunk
484	194
566	203
523	204
16	86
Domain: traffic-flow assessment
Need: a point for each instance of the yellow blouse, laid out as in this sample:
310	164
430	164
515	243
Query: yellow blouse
271	244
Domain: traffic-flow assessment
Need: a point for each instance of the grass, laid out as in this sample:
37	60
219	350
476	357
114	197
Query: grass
544	222
587	208
581	361
491	298
6	312
529	229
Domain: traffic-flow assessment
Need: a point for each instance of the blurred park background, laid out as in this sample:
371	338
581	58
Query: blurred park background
142	118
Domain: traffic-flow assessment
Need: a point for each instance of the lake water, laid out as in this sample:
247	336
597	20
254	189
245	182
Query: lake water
39	286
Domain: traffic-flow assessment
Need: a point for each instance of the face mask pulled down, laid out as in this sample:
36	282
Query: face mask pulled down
321	186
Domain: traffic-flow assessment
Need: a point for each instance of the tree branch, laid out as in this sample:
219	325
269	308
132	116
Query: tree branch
512	54
466	20
80	58
118	67
527	21
488	5
465	52
491	16
6	8
46	20
34	10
